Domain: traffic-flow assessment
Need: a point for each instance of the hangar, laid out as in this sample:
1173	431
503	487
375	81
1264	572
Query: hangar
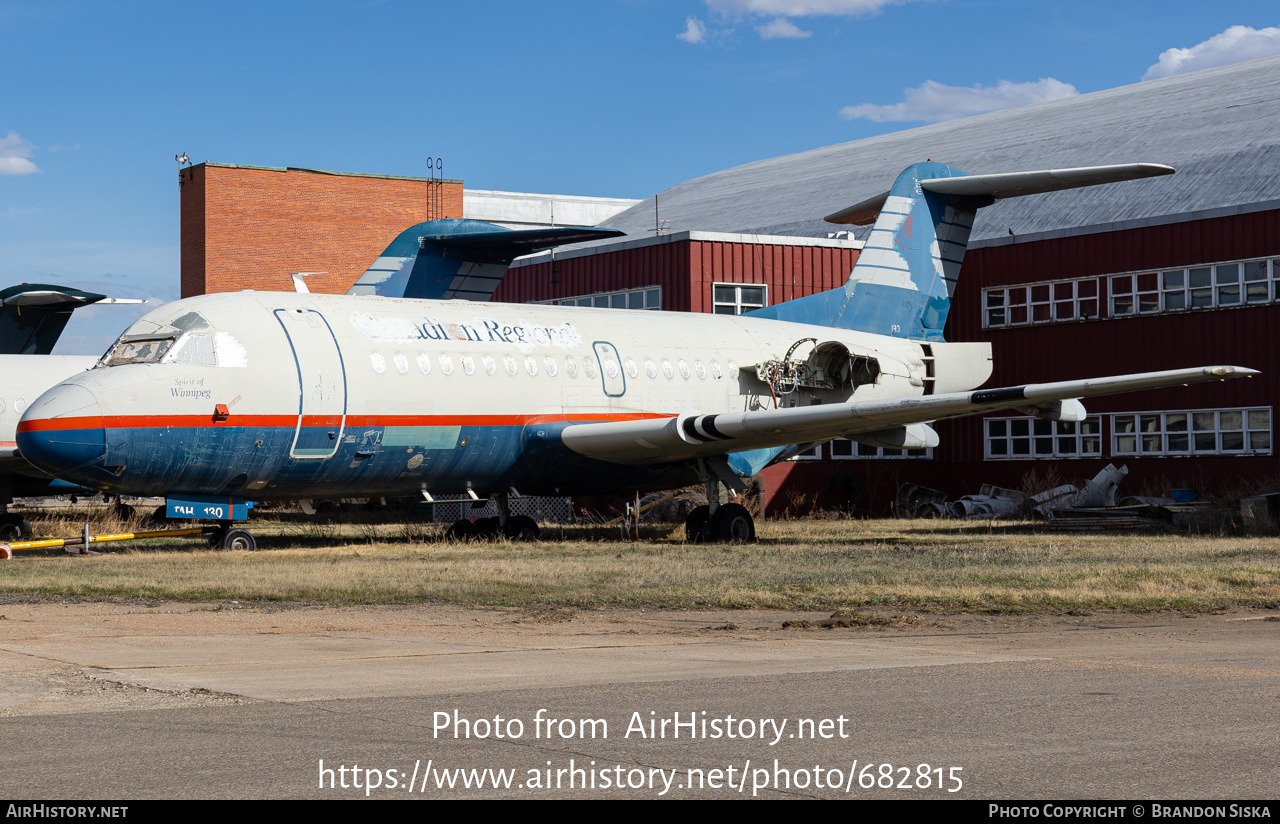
1154	274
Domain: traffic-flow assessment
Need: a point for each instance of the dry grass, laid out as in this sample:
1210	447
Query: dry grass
799	564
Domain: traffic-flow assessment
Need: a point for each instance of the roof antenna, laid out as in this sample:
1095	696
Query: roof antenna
435	188
660	227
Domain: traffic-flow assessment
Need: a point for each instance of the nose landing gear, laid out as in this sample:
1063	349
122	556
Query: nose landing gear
226	537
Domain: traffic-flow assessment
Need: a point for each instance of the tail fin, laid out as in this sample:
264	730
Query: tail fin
454	258
33	315
907	271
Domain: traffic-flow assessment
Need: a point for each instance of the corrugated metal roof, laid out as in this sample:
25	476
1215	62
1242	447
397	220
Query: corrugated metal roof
1217	127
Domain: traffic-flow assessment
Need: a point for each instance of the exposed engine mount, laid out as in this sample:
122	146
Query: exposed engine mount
829	366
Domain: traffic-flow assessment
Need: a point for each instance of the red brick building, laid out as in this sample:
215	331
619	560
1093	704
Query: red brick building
250	227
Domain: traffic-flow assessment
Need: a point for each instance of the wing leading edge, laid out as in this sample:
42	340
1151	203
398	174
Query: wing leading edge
692	435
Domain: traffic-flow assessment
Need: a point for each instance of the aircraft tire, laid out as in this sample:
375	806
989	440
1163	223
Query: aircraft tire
486	528
695	525
459	530
522	528
14	528
238	539
732	524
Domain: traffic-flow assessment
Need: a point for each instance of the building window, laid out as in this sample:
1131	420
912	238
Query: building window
736	298
649	297
1025	438
1212	286
1192	432
843	449
1051	302
813	453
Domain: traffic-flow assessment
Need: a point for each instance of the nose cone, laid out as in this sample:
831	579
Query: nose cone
63	431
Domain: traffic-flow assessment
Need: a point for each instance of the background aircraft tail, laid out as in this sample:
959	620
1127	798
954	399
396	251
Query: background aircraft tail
908	269
33	315
455	258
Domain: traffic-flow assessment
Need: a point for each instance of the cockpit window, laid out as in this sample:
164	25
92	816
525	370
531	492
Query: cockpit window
197	350
141	350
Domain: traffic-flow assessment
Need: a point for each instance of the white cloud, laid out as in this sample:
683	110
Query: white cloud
932	102
15	156
800	8
694	31
782	28
1231	46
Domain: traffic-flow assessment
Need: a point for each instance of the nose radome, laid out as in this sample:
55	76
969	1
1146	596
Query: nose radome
62	430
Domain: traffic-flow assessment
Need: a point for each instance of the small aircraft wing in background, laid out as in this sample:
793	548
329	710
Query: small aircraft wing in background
894	423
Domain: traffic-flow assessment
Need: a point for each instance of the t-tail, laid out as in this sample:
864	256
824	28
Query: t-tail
33	315
457	258
907	271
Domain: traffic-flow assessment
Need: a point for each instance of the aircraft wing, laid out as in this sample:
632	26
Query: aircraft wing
896	421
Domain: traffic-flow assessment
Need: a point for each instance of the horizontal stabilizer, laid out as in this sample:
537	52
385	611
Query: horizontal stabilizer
459	259
1017	184
1008	184
505	246
45	296
860	214
692	435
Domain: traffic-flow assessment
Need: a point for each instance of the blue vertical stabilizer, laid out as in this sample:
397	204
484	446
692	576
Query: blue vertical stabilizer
907	271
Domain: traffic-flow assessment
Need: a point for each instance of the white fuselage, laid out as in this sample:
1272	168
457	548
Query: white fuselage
368	395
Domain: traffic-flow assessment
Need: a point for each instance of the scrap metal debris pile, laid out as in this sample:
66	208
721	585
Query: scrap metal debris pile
1098	505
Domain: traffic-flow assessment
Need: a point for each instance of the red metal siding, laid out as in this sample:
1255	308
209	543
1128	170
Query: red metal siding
665	265
789	271
685	269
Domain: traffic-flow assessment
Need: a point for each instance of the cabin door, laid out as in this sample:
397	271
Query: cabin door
322	383
614	382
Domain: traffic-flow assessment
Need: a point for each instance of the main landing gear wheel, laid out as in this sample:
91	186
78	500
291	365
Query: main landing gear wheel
13	528
233	539
733	524
521	528
479	528
695	525
459	530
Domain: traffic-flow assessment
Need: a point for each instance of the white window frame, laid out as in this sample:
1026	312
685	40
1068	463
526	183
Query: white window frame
648	297
813	453
1180	433
866	452
736	304
1045	440
1218	285
1055	301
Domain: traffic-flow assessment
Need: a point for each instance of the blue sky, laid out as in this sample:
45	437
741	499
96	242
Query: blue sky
607	98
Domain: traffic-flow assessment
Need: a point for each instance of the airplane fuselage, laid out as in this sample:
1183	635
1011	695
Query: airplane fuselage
23	378
281	395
